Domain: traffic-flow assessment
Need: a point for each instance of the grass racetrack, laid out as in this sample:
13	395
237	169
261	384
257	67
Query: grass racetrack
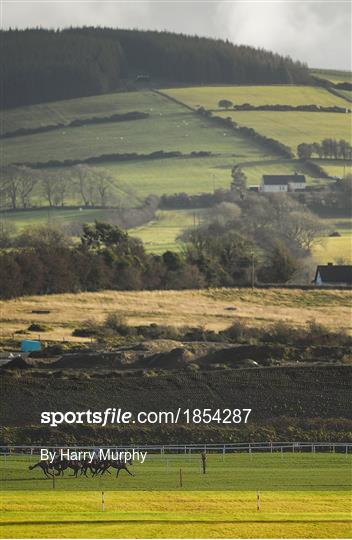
301	495
201	514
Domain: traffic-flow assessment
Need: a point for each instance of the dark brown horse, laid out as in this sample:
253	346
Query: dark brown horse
45	466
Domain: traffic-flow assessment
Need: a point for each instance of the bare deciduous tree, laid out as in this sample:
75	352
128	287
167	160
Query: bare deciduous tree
63	184
84	183
49	186
28	179
10	180
104	182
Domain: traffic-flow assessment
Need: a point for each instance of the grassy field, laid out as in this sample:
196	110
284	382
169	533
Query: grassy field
293	128
302	495
136	180
169	127
346	94
32	116
209	96
333	75
338	168
161	234
334	249
53	216
176	175
208	308
194	175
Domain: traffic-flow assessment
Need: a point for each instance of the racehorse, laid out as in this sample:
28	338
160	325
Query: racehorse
96	467
44	466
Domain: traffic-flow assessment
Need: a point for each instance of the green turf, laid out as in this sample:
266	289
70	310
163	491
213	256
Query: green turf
209	96
269	472
55	514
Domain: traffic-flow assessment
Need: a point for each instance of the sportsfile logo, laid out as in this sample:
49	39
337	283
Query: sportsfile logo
114	415
101	454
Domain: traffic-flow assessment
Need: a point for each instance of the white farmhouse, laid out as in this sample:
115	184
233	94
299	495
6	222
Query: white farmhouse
281	183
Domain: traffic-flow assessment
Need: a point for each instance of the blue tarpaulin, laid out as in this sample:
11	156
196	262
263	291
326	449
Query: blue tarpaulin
29	345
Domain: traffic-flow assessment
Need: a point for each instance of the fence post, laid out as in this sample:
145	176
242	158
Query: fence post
203	457
181	479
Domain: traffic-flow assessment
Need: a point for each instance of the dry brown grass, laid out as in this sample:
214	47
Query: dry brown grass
208	308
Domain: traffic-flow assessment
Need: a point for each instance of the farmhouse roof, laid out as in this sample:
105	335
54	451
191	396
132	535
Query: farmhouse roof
330	273
282	179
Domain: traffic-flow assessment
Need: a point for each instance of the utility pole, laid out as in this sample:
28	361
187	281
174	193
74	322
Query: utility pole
253	270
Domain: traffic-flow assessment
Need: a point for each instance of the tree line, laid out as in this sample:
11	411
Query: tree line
77	122
45	65
229	105
327	149
272	234
22	186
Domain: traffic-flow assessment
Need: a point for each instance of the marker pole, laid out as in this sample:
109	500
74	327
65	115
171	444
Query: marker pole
181	479
258	501
102	501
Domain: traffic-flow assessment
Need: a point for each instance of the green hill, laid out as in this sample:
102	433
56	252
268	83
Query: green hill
133	153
